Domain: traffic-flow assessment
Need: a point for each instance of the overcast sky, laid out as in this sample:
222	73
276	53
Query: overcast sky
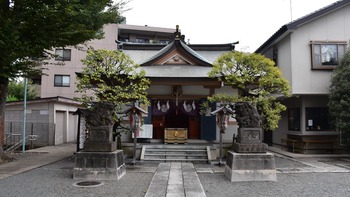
251	22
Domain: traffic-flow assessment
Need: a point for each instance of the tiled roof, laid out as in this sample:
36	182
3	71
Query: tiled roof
177	44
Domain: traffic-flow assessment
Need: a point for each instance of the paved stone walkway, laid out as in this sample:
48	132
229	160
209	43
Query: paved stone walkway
175	180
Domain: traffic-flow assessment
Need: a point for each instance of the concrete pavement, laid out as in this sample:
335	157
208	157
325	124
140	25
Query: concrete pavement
39	157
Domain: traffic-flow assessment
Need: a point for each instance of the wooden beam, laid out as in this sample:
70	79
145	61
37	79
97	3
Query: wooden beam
185	81
183	97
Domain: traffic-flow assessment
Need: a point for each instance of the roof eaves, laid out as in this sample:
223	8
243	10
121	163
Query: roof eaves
157	55
59	99
317	14
195	54
272	39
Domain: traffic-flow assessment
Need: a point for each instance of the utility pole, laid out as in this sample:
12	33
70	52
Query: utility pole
24	116
291	12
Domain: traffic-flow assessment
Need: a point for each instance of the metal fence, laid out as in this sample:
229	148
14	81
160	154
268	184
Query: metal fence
45	131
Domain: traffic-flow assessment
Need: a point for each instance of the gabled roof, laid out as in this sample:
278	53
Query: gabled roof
179	48
177	59
289	27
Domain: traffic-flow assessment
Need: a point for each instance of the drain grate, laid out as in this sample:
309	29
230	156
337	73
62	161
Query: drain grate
88	184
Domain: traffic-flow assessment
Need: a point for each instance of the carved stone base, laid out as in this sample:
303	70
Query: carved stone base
249	135
100	139
100	146
250	167
249	148
99	165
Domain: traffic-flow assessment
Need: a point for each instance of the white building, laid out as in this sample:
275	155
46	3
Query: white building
307	50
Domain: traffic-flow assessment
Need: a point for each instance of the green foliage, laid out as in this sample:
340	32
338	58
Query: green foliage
258	81
339	98
16	89
29	28
114	78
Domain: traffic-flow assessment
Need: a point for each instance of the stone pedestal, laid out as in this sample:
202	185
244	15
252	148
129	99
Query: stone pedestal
99	165
249	140
250	167
249	148
100	139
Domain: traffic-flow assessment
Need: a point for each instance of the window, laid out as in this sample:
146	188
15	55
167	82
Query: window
142	40
63	54
164	41
326	55
294	119
62	80
123	39
318	119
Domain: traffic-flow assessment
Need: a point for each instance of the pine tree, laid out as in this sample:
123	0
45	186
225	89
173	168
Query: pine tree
258	80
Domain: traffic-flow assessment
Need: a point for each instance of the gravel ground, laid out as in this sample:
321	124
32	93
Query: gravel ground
281	162
303	184
17	156
56	180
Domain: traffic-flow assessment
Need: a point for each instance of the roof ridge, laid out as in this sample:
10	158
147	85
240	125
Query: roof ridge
318	12
174	44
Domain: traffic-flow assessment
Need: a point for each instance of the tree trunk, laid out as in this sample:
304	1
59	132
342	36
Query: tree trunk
4	82
3	156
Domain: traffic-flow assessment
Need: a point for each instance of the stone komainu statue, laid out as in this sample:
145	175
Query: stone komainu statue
101	114
247	115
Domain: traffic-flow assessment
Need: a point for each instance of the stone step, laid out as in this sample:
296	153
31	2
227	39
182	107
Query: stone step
172	146
174	153
176	156
176	159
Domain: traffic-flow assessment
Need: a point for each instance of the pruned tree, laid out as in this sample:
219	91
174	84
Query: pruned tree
258	81
112	77
29	29
339	99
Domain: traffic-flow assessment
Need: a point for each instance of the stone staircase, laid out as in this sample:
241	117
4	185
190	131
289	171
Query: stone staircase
176	153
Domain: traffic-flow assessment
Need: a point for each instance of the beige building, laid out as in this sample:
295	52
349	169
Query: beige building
51	119
60	78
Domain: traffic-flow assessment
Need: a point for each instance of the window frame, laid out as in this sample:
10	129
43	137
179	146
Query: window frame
61	84
58	57
314	65
324	125
296	120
